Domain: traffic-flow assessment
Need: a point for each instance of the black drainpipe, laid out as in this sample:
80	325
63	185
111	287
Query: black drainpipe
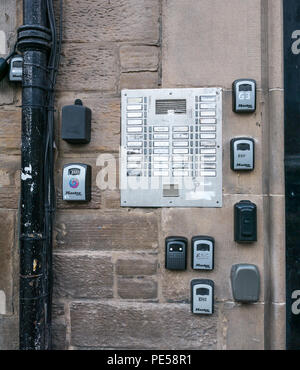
34	41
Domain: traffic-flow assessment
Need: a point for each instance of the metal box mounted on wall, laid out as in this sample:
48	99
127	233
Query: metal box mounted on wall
171	148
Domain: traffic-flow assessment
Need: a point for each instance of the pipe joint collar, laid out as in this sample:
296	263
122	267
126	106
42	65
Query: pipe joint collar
34	37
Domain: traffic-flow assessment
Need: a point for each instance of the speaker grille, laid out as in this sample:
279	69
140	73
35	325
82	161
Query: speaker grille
176	105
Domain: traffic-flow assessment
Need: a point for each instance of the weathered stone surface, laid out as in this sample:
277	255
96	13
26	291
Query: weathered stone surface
198	221
2	42
111	199
139	58
10	131
83	276
105	135
141	326
136	266
107	230
95	202
59	334
137	288
217	36
7	222
275	44
276	147
277	332
8	22
277	249
241	327
87	66
110	45
9	329
8	16
111	20
6	92
9	181
139	80
59	327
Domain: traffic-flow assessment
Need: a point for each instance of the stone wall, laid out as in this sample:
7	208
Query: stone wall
111	289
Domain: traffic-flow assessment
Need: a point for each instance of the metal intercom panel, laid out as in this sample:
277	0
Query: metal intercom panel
171	148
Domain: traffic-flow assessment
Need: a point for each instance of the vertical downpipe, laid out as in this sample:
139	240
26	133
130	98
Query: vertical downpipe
34	41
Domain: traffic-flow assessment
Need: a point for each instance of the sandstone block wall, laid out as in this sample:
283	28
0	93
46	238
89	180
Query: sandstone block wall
111	289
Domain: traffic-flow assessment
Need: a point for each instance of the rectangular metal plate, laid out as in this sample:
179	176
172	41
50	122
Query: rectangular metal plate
171	138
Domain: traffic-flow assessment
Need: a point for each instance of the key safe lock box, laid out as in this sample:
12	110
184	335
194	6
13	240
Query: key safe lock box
77	182
171	148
